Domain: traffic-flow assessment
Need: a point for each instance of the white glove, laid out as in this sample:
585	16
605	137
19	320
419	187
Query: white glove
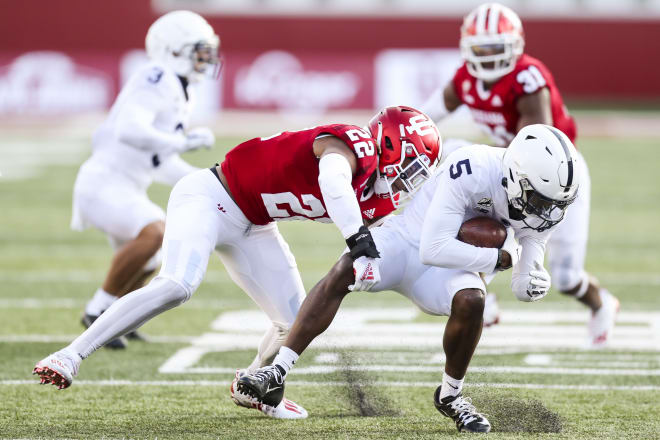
539	283
200	137
366	274
511	246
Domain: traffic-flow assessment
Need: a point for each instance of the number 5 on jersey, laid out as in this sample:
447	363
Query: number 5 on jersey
461	165
362	148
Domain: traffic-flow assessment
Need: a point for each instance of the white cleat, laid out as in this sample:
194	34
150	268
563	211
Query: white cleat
58	368
491	310
602	322
286	409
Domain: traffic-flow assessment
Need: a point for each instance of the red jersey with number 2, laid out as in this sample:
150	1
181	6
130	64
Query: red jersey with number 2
276	178
496	111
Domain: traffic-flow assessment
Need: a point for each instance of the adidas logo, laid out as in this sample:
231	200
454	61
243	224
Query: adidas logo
368	273
369	213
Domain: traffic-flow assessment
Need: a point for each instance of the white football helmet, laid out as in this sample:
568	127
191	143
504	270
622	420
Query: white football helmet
492	40
184	42
541	175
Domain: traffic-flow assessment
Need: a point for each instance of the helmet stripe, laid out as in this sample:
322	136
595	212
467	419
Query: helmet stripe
481	19
569	158
494	19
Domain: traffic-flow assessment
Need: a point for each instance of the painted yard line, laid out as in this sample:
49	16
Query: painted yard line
81	276
68	338
326	369
161	383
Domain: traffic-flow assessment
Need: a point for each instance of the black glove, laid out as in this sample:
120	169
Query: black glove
361	244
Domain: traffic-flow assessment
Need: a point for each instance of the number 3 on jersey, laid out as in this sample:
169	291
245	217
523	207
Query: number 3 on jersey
362	148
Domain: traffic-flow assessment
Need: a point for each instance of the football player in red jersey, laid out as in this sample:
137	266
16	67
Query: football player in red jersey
329	173
505	90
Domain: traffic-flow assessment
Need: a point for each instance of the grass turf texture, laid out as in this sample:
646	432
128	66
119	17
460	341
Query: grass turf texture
41	259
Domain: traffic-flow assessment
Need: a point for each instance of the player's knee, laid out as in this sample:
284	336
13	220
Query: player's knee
171	292
567	280
468	304
151	236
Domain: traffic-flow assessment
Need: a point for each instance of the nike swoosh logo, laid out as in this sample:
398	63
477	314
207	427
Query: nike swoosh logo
272	389
452	386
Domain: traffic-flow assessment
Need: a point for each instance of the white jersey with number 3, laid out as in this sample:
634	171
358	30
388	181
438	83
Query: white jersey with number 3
145	125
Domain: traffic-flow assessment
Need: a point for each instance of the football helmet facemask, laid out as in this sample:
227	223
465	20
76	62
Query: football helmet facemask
492	40
541	176
186	43
409	145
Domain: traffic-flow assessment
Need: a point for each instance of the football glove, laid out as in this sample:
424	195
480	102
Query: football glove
366	274
512	247
200	137
539	283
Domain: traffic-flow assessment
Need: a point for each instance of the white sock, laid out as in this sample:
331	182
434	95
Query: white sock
100	302
286	359
450	386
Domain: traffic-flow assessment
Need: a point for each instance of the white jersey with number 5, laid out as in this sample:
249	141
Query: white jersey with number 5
467	185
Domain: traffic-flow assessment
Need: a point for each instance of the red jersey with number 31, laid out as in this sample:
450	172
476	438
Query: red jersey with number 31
276	178
496	111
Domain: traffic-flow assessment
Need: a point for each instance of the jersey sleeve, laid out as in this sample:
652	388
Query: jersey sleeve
139	110
533	251
530	77
438	243
363	146
460	75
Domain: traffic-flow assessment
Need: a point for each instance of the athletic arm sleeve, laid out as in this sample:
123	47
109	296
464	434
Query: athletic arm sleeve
438	244
172	169
533	252
135	124
335	177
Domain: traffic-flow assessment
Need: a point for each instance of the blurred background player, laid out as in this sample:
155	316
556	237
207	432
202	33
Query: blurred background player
506	90
327	173
422	259
139	142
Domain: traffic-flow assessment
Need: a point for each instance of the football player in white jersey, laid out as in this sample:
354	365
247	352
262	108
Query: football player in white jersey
506	89
139	142
527	187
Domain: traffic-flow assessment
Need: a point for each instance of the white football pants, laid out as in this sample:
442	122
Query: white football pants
202	217
431	288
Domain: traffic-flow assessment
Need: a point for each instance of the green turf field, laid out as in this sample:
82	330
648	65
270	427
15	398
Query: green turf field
529	374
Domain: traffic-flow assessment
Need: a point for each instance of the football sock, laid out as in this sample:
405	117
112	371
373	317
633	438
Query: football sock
285	359
450	386
99	302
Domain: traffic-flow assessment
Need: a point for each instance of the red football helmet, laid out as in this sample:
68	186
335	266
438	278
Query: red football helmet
404	133
492	40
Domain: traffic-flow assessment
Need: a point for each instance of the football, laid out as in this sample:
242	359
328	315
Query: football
483	232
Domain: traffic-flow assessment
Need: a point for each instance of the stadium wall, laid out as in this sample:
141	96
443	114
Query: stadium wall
325	63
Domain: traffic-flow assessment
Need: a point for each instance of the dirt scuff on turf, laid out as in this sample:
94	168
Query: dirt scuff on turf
366	398
510	414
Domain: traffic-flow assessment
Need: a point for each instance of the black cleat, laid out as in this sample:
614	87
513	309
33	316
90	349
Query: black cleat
136	336
115	344
266	385
461	410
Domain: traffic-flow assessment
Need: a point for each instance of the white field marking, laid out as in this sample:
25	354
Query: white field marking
355	328
69	338
216	276
327	369
552	359
533	386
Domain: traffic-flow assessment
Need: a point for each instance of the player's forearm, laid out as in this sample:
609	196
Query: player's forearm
532	255
146	137
335	178
447	251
